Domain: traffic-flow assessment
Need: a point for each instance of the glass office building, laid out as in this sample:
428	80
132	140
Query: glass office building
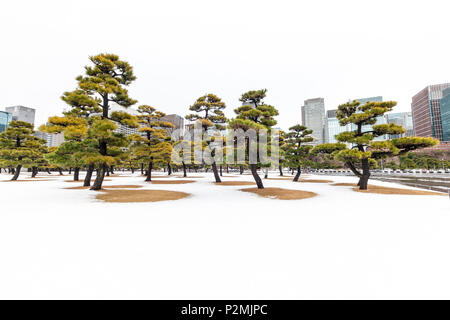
403	119
427	112
334	128
313	117
445	115
5	119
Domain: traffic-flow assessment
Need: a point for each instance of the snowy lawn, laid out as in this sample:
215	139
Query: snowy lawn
221	243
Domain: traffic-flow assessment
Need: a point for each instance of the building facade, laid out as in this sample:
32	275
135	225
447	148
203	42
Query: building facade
313	117
403	119
426	111
178	121
334	128
5	119
21	113
53	139
380	119
445	115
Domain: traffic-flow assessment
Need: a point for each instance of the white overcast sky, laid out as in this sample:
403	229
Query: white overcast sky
180	50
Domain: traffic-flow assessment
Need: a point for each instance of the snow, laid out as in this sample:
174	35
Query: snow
221	243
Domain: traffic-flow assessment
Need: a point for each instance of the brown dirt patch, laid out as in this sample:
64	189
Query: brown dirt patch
190	177
344	184
27	180
281	194
171	182
107	187
388	190
315	181
235	183
82	180
125	196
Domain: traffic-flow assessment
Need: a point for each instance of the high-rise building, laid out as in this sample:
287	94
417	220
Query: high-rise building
21	113
178	122
5	119
334	128
426	111
403	119
53	139
380	119
445	115
313	117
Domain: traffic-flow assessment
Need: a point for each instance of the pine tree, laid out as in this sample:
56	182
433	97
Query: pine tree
103	83
365	152
296	151
256	115
19	147
209	111
153	146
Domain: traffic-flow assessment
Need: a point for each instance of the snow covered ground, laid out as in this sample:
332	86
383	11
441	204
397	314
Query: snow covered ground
221	243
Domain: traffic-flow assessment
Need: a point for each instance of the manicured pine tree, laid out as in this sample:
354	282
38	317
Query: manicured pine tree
209	111
153	146
256	115
365	151
296	151
105	82
19	147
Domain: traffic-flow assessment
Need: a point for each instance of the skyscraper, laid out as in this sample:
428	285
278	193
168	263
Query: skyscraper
403	119
426	111
313	117
5	119
21	113
380	119
334	128
445	115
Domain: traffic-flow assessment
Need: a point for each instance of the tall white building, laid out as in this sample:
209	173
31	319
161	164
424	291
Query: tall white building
313	117
21	113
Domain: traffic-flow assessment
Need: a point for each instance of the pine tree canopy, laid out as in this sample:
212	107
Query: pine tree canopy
295	149
208	110
18	145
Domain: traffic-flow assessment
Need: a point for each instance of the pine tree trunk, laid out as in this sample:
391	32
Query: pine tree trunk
297	176
112	169
241	169
60	171
216	173
281	171
87	179
184	170
266	173
221	171
169	169
70	170
228	169
149	171
258	180
48	171
142	168
132	170
107	171
364	180
16	172
76	174
34	172
99	179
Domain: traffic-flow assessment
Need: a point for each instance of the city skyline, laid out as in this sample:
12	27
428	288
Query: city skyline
173	69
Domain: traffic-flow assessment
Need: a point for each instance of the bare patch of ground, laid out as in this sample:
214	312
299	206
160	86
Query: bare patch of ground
27	180
315	181
81	180
344	184
281	194
388	190
126	196
171	182
107	187
235	183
